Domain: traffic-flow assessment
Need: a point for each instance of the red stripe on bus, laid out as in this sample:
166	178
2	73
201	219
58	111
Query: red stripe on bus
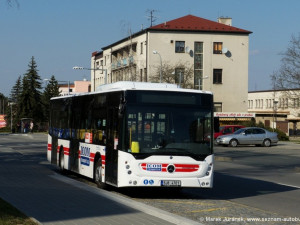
103	159
186	167
92	157
66	151
178	167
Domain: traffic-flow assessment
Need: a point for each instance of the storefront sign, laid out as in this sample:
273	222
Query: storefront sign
234	114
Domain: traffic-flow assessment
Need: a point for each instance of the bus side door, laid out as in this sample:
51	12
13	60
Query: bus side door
111	159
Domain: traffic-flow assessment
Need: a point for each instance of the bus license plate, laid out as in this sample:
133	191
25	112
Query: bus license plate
171	183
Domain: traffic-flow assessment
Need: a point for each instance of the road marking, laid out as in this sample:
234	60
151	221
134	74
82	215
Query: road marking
207	210
289	185
182	202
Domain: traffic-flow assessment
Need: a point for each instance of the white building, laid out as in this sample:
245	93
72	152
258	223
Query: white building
216	51
277	109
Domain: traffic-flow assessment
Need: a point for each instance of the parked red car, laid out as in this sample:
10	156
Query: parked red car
227	129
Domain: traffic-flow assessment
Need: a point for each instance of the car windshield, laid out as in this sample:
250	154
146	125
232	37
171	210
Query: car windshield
240	131
168	130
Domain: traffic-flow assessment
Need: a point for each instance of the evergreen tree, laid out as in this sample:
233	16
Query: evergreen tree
3	103
16	91
51	90
31	98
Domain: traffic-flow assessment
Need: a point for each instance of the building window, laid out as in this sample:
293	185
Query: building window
179	46
179	76
198	65
217	76
217	107
141	47
250	104
218	47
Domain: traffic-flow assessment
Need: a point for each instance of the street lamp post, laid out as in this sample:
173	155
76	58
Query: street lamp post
156	52
11	118
201	81
82	68
274	114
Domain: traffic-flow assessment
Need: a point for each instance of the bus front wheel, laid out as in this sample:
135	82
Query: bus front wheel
98	174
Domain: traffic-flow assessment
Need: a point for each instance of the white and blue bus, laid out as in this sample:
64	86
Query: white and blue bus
130	134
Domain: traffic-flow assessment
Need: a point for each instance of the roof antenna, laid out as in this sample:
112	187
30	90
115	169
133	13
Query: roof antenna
151	17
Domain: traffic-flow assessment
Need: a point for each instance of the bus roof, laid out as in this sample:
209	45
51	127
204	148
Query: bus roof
129	85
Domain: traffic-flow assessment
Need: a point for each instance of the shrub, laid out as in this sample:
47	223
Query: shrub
281	135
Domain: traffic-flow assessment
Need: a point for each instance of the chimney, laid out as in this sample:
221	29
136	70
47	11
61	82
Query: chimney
225	20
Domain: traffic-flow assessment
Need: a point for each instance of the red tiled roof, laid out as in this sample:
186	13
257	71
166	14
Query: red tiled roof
194	23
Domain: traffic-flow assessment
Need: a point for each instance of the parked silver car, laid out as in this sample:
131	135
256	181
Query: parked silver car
249	136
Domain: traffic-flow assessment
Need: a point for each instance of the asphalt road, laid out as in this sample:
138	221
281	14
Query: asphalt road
250	183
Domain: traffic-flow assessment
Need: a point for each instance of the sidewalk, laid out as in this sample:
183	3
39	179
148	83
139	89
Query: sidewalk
29	182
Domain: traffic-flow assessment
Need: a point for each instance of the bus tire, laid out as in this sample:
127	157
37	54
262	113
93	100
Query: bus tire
98	174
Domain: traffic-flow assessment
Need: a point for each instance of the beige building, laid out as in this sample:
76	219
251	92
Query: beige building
277	109
217	52
79	86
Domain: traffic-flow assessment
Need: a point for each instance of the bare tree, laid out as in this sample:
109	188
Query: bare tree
170	74
12	3
287	77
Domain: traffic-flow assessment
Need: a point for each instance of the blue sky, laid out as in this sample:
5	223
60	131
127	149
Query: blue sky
63	33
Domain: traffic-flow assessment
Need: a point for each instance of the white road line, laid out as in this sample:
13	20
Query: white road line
288	185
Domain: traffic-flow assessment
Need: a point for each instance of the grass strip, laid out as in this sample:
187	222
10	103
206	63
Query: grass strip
9	215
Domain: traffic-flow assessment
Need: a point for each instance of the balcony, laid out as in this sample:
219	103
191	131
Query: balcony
122	63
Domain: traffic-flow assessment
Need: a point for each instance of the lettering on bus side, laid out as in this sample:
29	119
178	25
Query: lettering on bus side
153	167
85	155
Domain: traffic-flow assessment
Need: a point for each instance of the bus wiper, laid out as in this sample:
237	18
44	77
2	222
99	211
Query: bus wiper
157	147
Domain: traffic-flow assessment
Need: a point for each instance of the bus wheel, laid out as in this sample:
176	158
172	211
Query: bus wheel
98	174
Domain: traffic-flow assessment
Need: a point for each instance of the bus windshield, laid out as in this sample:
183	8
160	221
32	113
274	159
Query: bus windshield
169	130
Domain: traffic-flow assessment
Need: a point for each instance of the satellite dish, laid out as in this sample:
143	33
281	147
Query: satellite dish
224	50
187	49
